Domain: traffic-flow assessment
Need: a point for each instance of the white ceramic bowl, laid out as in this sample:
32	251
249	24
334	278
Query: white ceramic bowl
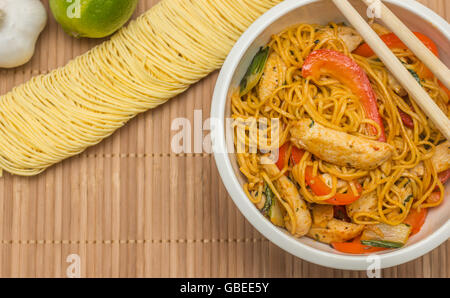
418	18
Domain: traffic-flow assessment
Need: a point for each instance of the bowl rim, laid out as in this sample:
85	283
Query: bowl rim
222	159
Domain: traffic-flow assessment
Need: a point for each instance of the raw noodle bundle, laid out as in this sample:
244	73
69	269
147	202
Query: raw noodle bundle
158	56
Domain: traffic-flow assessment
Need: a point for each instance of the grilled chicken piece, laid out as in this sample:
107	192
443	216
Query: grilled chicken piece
339	148
322	214
418	170
335	231
273	76
366	203
290	194
350	37
396	86
441	158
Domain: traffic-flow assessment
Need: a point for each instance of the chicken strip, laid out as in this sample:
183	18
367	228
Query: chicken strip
339	148
441	158
273	76
290	194
335	231
350	37
322	214
367	203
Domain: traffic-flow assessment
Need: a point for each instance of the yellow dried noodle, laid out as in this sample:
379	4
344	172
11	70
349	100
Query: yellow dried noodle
155	58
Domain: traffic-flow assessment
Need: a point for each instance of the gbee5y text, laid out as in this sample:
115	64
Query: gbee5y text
230	287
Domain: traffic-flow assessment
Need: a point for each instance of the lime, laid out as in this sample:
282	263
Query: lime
92	18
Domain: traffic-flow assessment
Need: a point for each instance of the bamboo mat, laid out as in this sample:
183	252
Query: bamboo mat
129	207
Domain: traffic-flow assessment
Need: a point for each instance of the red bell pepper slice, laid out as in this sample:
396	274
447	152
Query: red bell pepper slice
320	188
282	156
444	176
355	247
406	119
296	155
393	42
434	197
348	72
416	219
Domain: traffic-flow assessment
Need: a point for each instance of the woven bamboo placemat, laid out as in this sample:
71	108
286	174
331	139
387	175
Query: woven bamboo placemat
130	207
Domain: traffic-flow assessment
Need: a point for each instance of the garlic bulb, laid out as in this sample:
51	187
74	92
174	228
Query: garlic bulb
21	22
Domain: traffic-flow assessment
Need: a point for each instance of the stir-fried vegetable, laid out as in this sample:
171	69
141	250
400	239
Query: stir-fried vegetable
296	155
393	42
415	76
382	243
269	200
444	176
318	185
434	198
276	214
355	247
416	219
272	208
347	71
406	119
282	152
384	235
320	188
254	72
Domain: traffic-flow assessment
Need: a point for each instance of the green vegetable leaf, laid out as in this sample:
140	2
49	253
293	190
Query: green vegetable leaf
269	200
408	198
255	71
413	73
381	243
416	76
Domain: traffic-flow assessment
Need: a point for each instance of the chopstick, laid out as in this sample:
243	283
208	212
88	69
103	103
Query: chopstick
424	54
394	65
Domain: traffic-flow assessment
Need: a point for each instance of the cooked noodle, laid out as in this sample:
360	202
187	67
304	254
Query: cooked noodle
333	105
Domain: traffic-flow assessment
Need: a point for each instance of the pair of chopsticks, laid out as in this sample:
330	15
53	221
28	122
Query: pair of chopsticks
394	65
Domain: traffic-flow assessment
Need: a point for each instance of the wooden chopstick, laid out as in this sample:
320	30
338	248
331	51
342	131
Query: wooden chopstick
436	66
394	65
